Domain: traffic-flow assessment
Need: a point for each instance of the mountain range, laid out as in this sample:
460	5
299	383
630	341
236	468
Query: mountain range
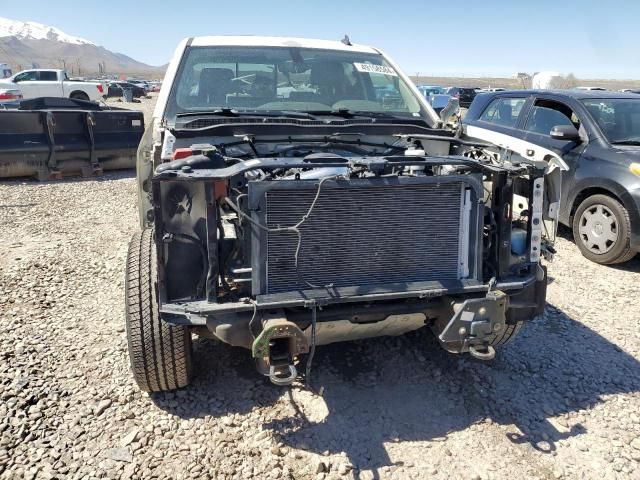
34	45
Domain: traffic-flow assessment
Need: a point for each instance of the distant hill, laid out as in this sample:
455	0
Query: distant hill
27	44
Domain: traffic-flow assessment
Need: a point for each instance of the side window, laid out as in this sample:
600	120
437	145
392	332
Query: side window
503	111
48	76
26	76
547	114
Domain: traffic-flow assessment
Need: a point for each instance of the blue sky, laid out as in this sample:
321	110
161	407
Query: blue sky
592	39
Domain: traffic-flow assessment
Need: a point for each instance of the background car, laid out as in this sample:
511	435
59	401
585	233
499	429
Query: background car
10	98
114	90
137	90
427	90
598	135
464	94
141	83
435	95
40	82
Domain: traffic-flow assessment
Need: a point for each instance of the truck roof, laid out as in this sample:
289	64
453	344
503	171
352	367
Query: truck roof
42	70
257	41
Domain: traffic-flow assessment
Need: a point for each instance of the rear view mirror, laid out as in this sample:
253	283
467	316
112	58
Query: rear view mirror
568	133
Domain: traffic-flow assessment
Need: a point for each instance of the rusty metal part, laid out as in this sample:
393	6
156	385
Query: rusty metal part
275	326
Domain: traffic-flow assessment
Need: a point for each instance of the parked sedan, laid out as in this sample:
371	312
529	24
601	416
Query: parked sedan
114	90
137	91
10	97
598	135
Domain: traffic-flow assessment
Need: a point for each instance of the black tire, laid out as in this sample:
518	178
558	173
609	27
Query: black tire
79	96
505	336
617	251
160	354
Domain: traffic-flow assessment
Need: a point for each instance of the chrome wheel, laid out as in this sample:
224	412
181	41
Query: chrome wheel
598	229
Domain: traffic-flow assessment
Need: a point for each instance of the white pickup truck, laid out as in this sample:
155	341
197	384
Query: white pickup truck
53	83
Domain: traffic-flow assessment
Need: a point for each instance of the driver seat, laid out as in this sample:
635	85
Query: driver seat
214	85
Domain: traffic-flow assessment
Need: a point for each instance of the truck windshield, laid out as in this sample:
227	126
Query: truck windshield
289	79
618	118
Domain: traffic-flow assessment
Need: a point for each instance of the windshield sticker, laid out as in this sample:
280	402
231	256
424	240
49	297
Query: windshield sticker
371	68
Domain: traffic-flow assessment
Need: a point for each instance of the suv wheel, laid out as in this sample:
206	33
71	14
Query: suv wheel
601	230
160	353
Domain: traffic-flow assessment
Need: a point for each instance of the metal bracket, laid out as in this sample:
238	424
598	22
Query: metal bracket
474	323
90	121
275	326
50	123
278	327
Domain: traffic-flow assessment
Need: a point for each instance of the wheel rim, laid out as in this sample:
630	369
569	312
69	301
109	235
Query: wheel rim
598	229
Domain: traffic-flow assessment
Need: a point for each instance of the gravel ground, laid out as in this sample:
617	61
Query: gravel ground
145	105
561	401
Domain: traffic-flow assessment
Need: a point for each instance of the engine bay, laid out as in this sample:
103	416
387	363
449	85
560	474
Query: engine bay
212	214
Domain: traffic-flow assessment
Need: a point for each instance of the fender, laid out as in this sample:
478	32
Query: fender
616	190
595	182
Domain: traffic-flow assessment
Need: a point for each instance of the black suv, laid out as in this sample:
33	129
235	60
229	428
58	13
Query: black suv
464	94
598	136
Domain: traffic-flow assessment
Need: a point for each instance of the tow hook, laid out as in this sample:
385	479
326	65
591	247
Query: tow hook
474	324
278	346
482	353
278	375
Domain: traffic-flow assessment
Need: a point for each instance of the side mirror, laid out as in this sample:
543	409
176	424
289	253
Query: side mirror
568	133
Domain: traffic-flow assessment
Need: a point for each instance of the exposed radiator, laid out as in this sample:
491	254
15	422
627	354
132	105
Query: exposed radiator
363	233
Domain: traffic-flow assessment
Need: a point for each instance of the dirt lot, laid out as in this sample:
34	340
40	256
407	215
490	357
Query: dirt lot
145	105
562	401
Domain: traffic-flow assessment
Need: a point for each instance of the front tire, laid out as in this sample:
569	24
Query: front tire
602	230
160	354
506	335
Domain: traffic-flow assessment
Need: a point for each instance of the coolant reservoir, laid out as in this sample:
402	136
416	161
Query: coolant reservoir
518	241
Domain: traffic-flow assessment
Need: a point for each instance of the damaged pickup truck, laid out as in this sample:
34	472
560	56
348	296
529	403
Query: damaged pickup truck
296	193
